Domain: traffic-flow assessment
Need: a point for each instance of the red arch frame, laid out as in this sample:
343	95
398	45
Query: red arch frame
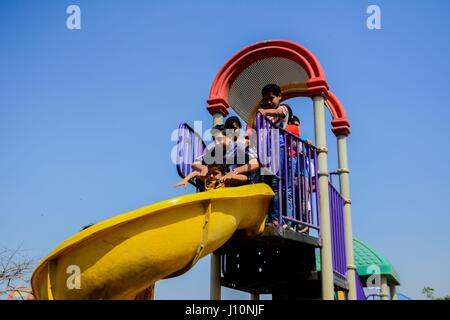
315	86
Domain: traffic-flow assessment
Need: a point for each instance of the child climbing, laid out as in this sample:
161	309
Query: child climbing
293	127
278	114
271	106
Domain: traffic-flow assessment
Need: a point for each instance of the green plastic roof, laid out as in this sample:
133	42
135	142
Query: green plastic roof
365	257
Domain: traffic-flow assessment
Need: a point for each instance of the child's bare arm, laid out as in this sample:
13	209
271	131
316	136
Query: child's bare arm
251	166
246	168
197	165
202	169
238	178
278	112
187	178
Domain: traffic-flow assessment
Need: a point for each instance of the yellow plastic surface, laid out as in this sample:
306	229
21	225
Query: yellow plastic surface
121	257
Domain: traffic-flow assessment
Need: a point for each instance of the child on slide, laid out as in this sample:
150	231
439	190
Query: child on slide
212	179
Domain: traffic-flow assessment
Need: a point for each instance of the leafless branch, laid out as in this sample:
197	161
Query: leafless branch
15	269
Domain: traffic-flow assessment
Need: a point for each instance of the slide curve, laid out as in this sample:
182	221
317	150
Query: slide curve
123	257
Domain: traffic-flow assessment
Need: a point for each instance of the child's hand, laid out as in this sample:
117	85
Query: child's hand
262	111
181	183
226	178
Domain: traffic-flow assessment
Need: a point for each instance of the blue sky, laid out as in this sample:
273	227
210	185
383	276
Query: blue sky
86	115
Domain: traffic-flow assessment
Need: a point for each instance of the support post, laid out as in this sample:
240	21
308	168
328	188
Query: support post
384	289
345	192
394	295
215	289
217	119
254	296
325	228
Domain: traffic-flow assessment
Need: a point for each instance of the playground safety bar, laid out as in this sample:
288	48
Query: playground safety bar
289	163
292	162
190	146
333	173
337	232
360	294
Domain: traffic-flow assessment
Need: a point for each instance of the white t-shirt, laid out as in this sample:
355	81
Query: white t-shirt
278	121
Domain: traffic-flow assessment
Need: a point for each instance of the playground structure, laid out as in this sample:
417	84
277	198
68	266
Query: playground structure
366	259
123	257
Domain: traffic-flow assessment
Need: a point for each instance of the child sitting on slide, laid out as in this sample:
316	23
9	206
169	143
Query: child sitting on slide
211	181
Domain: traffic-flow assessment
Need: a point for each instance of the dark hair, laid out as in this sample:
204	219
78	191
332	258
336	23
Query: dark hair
230	120
87	226
271	88
294	119
290	113
223	168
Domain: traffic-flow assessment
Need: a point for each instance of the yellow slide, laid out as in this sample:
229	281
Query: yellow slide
123	257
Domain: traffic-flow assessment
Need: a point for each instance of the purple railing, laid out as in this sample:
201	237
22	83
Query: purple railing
360	294
297	181
337	232
190	146
292	162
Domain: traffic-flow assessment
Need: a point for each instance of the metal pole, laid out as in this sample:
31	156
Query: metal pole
325	251
384	290
345	192
254	296
217	119
215	288
393	292
215	292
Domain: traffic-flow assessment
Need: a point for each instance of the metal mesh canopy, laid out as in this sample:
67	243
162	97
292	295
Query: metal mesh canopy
245	92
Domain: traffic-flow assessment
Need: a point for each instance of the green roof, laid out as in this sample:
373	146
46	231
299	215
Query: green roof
365	257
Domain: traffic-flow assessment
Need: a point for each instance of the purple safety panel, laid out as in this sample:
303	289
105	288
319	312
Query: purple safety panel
190	146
